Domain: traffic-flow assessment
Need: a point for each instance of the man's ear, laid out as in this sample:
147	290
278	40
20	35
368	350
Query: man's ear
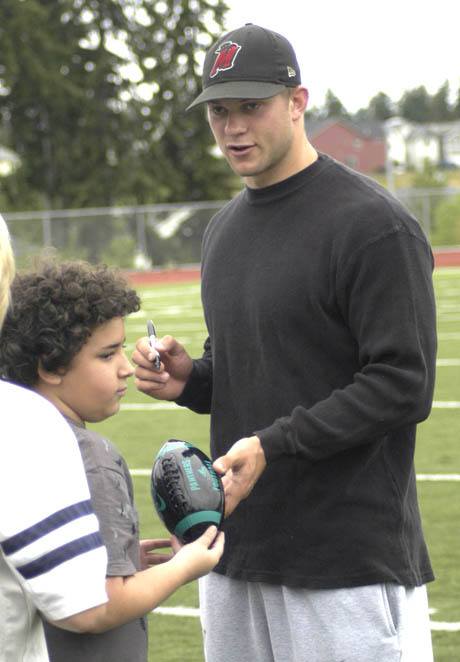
49	377
299	102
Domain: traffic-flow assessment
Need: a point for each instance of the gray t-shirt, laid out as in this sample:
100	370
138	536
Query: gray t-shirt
111	490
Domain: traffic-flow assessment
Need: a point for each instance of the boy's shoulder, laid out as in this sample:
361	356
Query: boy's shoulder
97	451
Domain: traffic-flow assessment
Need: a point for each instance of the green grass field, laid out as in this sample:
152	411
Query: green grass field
139	432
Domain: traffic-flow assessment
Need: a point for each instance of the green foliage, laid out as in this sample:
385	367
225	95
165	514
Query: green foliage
440	106
120	251
429	177
446	231
92	99
333	107
456	108
381	107
415	105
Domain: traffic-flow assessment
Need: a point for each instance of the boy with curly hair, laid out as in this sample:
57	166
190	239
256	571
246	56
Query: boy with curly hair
63	338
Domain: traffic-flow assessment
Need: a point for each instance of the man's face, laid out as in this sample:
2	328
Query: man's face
256	136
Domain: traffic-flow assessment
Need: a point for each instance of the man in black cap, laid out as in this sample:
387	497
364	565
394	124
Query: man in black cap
320	361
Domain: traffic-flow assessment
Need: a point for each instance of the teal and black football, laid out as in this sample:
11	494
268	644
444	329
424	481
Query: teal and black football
187	493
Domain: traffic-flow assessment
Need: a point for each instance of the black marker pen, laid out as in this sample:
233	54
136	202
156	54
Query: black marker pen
152	339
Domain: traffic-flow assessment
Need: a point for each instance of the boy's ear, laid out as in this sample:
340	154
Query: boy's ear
49	377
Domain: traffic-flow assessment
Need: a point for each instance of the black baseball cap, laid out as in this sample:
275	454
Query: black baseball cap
248	63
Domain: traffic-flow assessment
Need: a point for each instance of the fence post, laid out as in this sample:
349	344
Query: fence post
426	215
46	228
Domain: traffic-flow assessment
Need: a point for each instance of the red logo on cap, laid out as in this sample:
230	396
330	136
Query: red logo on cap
226	55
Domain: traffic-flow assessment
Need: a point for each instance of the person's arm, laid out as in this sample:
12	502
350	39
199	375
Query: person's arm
136	595
149	554
197	393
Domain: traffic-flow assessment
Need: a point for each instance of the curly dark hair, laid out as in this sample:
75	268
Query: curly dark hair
54	309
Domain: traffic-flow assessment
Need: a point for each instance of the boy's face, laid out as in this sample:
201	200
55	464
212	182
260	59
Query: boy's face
96	379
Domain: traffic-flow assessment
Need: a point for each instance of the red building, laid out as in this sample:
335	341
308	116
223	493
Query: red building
361	147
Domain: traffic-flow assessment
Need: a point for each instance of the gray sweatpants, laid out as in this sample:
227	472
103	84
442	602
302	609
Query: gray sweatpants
256	622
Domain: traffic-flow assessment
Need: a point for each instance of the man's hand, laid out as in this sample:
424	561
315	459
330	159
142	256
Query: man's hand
241	468
169	381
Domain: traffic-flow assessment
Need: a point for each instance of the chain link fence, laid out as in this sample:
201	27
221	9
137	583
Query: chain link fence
140	238
150	236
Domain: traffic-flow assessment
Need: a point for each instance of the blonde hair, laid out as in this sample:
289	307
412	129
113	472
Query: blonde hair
6	268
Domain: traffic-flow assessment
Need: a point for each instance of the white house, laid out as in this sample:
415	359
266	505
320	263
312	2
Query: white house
411	144
9	161
452	144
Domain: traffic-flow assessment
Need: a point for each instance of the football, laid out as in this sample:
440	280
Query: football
187	493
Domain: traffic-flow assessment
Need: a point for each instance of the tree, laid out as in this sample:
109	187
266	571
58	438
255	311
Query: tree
456	109
440	106
381	107
415	105
333	107
92	95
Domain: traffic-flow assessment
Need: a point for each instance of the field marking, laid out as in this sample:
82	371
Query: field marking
178	611
149	406
439	626
446	404
195	613
446	478
447	362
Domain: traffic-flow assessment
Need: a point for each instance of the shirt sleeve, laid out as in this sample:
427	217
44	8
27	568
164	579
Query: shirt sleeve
197	394
49	535
111	495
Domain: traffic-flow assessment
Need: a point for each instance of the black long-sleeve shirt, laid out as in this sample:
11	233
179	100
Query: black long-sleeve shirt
318	299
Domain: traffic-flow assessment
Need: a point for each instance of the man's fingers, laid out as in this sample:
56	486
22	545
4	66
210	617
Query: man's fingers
170	345
149	375
223	464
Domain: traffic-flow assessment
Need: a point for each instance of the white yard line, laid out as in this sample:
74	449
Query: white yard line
446	404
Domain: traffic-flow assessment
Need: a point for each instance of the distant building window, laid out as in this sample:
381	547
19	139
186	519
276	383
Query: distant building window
357	143
351	160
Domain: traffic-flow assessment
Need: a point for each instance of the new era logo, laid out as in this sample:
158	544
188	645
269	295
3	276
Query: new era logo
225	57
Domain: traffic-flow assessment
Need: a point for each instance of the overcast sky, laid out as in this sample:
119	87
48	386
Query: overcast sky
358	48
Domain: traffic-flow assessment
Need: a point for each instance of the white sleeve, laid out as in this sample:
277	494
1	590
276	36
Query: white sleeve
49	534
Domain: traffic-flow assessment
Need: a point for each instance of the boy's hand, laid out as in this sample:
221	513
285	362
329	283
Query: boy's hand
148	554
199	557
169	381
240	469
